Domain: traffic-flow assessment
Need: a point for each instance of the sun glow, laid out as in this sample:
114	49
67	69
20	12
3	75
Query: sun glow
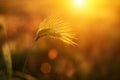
79	3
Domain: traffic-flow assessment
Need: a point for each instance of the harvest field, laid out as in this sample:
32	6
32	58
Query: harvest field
59	39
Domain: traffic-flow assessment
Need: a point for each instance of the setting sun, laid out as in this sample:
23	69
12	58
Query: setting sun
79	3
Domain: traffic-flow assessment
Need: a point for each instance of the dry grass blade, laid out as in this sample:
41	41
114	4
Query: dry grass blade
7	58
6	51
55	27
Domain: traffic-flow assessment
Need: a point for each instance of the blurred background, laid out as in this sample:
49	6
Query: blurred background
96	24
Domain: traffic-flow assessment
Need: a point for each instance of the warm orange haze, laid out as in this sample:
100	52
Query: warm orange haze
59	40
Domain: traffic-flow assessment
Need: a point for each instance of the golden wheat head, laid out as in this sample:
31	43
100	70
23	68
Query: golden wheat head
54	27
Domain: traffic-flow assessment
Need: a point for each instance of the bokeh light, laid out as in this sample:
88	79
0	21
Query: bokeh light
53	53
45	68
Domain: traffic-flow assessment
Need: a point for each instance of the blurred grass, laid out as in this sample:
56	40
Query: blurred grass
6	55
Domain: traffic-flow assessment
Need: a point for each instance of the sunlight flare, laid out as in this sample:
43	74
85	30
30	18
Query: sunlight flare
79	3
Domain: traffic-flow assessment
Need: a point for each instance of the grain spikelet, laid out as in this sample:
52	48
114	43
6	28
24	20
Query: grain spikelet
55	27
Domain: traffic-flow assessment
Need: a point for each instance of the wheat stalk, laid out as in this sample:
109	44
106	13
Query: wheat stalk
55	27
